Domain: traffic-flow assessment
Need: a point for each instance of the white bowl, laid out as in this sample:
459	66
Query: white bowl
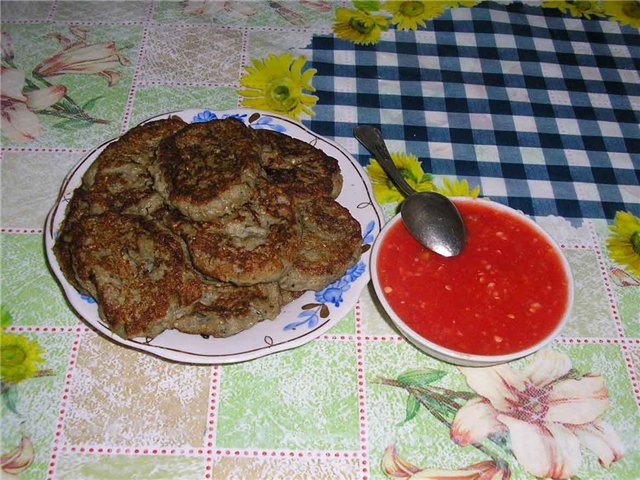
462	358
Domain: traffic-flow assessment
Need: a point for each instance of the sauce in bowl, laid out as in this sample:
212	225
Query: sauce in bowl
507	291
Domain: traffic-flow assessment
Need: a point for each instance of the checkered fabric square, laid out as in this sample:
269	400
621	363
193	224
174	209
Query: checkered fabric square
539	109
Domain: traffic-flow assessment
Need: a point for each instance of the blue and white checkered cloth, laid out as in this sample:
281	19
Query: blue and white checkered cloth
538	108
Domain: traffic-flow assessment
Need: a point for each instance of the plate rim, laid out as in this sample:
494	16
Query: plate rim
181	356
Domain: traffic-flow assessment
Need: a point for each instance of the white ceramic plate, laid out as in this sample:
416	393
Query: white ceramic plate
300	321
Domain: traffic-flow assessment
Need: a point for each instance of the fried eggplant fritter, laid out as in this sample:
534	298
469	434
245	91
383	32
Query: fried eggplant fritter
255	243
136	270
331	243
119	179
208	169
299	168
225	309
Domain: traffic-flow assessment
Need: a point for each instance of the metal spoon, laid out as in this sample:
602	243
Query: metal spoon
430	217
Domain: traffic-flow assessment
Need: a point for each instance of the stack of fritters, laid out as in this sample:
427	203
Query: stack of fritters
207	228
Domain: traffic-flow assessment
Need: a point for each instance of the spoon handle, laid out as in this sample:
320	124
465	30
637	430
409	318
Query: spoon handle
372	140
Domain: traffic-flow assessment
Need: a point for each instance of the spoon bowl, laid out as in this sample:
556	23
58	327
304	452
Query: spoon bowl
430	217
435	222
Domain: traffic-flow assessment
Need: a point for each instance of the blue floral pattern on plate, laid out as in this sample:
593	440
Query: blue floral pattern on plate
207	115
332	293
87	298
267	123
262	122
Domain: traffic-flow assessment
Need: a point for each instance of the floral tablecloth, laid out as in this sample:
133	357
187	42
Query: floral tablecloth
533	105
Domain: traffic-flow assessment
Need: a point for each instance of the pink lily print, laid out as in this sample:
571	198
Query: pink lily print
19	122
622	278
542	415
25	98
319	5
7	47
201	8
17	460
395	466
548	413
78	57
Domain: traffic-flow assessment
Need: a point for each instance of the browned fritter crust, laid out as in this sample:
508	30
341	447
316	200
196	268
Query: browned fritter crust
331	243
225	310
64	247
302	170
208	169
139	273
136	270
289	296
253	244
119	179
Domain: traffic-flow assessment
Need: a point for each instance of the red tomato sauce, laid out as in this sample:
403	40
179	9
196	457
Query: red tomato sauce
505	292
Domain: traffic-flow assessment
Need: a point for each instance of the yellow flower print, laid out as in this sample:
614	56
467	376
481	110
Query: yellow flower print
358	26
277	84
464	3
623	12
5	317
624	241
584	9
559	4
457	188
411	15
384	189
18	357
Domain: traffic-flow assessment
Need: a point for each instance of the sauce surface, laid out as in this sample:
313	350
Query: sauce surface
505	292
